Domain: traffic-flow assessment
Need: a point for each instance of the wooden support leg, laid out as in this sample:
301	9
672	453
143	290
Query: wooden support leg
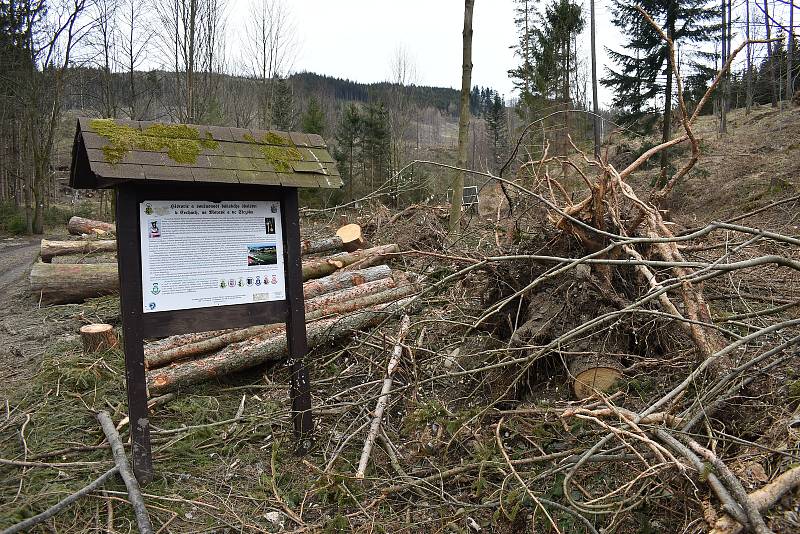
130	283
295	324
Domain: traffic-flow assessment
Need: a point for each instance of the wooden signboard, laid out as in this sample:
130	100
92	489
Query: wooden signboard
209	254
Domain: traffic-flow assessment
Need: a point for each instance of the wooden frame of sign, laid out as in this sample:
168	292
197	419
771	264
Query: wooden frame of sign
165	175
137	326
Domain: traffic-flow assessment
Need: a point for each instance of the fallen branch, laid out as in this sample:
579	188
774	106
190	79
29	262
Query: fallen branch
60	505
377	415
134	494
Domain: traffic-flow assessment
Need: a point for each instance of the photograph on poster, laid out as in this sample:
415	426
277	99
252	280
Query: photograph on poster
269	225
262	254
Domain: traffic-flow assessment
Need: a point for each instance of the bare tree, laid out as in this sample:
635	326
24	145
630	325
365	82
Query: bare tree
103	41
53	35
401	110
463	120
191	33
136	32
270	50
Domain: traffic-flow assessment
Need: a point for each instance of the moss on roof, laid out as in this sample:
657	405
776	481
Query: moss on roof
182	143
279	151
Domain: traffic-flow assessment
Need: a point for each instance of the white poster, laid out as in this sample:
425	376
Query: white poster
200	254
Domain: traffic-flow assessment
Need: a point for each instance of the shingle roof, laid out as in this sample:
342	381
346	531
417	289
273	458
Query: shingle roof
107	152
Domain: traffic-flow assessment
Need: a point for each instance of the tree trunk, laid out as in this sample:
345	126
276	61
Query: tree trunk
58	283
50	249
595	105
80	226
321	245
667	127
463	121
350	235
790	56
253	352
773	82
344	280
325	266
749	97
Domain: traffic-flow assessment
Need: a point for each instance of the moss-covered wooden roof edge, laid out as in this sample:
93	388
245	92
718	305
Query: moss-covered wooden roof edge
109	151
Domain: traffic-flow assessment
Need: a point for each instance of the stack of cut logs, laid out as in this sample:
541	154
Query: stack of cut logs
348	290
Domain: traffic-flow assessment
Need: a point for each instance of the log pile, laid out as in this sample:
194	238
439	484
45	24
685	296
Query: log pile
336	306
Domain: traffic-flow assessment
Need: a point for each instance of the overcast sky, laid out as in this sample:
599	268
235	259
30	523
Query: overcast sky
357	39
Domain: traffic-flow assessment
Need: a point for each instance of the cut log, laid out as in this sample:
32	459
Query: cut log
343	280
321	245
73	283
259	350
359	297
79	226
324	266
97	337
593	372
50	249
350	235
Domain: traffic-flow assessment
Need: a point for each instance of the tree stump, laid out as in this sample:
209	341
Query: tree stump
592	372
351	237
97	337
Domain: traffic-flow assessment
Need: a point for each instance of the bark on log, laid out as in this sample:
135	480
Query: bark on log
79	226
320	245
59	283
351	237
593	372
359	297
97	337
325	266
86	259
50	249
134	494
343	280
257	351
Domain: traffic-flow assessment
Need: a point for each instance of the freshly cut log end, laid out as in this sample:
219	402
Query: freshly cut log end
79	225
97	337
594	372
350	234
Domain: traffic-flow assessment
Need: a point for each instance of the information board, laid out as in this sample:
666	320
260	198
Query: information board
200	254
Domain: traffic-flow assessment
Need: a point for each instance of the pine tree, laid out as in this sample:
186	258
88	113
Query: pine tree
313	120
376	142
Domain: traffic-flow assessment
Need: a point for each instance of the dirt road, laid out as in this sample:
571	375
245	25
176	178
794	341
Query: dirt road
19	354
16	257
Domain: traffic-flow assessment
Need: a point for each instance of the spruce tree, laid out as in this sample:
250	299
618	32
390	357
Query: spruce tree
645	59
497	132
282	110
313	120
349	136
643	72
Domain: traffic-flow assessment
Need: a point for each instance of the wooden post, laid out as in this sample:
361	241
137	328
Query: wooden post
295	322
130	283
